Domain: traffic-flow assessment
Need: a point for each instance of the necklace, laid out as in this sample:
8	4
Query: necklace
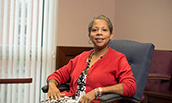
89	60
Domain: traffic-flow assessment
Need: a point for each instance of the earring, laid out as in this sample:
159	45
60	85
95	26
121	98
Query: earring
89	41
109	42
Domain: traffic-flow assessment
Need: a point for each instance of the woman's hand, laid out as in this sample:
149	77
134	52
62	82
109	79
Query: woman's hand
87	98
53	91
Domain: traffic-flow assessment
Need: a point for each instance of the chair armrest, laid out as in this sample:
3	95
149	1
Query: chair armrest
62	87
107	98
45	89
110	98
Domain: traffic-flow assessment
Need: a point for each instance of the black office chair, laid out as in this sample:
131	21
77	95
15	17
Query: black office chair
139	56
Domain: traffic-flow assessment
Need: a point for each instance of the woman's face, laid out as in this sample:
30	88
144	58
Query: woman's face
100	33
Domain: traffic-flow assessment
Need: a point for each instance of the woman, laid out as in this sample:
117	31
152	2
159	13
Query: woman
96	72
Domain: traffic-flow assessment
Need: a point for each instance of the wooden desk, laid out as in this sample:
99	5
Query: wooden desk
158	97
15	80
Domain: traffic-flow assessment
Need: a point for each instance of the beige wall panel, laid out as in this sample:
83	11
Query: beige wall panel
139	20
74	17
145	21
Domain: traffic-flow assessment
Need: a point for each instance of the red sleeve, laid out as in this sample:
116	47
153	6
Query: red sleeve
62	75
126	77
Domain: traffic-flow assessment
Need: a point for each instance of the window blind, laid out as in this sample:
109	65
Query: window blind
28	30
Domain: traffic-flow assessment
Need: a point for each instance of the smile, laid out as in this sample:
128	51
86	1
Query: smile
99	40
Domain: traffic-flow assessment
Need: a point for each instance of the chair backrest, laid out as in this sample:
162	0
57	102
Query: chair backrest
139	56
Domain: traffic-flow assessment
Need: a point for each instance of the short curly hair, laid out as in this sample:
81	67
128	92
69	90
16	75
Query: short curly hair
100	17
